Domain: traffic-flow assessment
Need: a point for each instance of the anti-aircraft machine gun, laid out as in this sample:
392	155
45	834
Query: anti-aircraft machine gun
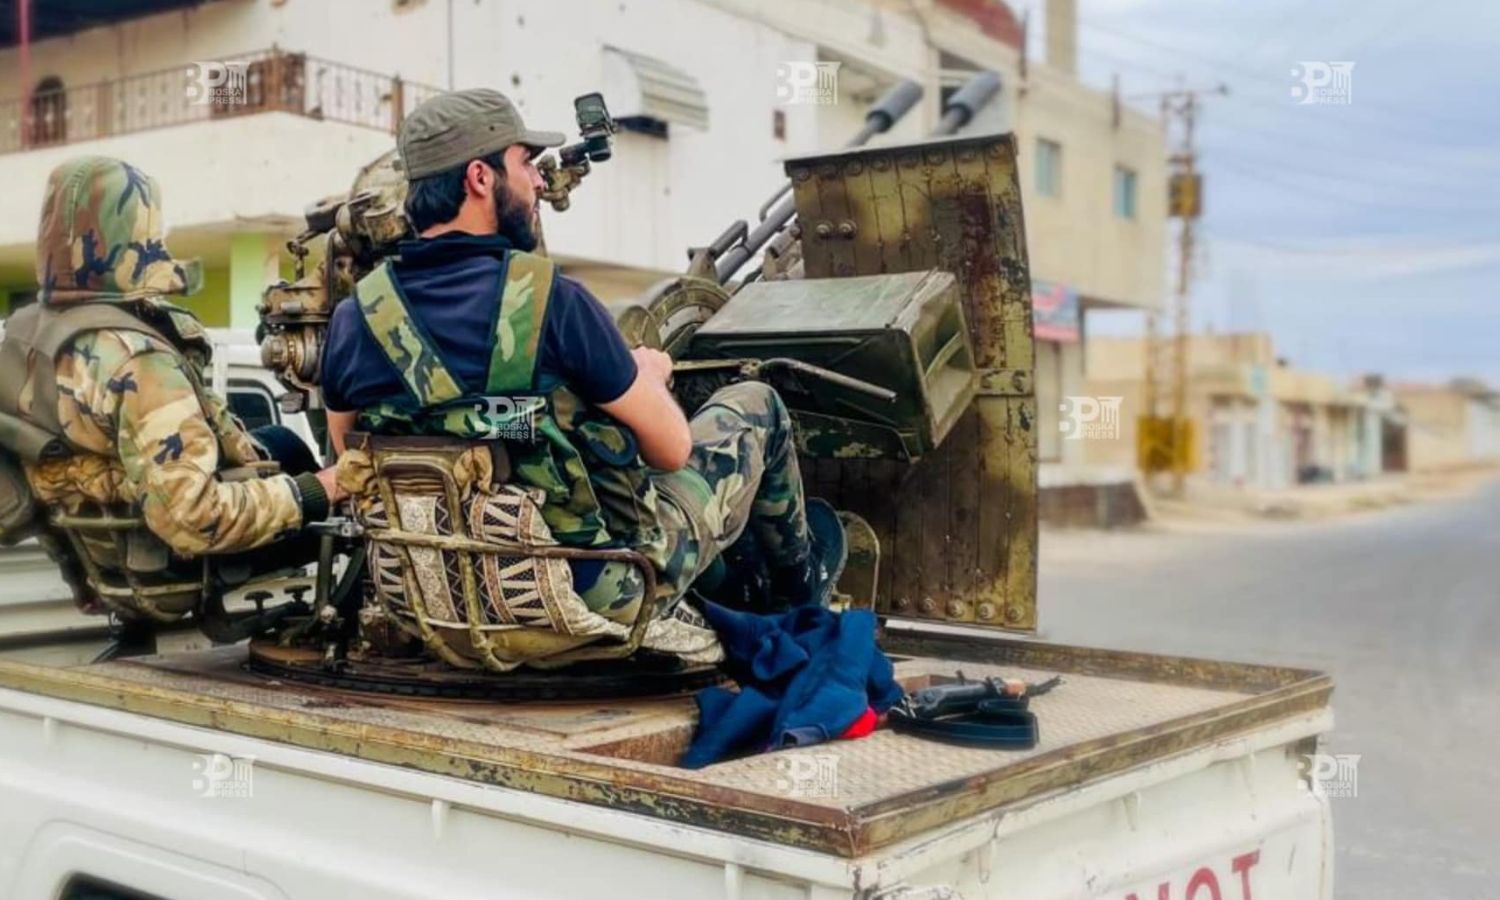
890	309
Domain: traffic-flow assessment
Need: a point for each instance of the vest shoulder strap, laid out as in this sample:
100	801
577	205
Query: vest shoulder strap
525	292
56	326
44	330
415	358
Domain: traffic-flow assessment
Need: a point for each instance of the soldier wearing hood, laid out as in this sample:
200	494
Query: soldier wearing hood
108	368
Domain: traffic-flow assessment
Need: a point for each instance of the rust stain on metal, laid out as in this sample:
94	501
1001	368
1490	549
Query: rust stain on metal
959	527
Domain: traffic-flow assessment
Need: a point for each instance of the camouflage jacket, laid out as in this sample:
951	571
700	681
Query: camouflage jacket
148	434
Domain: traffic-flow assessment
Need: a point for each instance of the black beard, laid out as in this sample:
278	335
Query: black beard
514	223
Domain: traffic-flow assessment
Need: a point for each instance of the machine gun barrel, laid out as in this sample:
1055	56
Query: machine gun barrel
888	110
967	101
962	106
961	109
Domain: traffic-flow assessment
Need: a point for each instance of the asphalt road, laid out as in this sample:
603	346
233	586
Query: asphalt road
1401	606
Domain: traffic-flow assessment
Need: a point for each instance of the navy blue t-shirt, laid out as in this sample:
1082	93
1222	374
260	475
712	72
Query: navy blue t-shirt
452	286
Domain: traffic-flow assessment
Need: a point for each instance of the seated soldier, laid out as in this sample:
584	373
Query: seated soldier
467	314
112	372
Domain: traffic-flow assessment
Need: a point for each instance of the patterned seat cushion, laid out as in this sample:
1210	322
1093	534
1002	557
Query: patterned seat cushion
515	590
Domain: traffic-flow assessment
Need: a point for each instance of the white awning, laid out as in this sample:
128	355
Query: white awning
639	85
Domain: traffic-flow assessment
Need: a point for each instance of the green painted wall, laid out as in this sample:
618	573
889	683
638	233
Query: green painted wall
248	253
211	305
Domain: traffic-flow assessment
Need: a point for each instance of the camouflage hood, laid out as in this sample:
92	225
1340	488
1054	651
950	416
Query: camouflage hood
101	236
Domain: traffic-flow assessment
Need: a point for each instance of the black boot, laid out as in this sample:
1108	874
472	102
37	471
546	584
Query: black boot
811	582
127	639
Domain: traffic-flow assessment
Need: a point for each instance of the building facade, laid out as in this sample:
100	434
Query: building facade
1450	425
702	86
1260	424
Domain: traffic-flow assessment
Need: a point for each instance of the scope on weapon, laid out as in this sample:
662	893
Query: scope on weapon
562	173
595	126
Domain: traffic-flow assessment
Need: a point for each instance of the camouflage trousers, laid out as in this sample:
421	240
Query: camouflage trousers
742	475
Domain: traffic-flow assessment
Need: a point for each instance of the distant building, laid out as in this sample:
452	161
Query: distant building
1259	423
1451	425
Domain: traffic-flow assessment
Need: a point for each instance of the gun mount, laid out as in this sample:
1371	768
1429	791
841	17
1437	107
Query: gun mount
899	269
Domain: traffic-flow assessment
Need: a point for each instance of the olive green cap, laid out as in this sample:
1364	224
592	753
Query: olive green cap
451	129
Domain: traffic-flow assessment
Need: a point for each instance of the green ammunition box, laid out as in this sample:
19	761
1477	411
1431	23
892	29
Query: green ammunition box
904	332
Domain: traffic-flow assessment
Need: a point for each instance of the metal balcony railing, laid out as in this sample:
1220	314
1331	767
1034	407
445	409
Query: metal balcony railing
266	81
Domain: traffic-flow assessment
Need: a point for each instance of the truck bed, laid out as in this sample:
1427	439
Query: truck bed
1115	711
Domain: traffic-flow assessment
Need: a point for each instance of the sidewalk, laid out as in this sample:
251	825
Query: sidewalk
1205	504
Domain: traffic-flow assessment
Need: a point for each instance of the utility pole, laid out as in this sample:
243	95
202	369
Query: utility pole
1166	436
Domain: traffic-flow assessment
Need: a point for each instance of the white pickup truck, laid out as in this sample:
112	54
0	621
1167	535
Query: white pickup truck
186	777
190	776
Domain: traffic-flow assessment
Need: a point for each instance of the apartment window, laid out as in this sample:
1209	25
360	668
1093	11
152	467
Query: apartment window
1048	168
49	112
1124	193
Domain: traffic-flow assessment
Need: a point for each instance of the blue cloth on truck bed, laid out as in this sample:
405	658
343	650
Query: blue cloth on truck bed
805	676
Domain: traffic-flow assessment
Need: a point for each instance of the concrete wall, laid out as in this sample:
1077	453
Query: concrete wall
1448	428
249	171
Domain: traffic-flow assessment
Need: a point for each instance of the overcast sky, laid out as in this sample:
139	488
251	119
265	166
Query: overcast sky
1364	237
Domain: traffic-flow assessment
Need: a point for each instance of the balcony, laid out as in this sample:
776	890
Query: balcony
266	81
239	150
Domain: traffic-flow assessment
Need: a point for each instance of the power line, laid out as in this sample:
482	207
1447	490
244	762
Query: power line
1304	190
1374	181
1301	138
1268	37
1405	115
1339	251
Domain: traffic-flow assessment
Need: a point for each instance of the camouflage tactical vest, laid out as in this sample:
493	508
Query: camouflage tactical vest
598	493
108	554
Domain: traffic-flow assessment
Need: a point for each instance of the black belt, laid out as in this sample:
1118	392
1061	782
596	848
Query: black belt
1001	722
